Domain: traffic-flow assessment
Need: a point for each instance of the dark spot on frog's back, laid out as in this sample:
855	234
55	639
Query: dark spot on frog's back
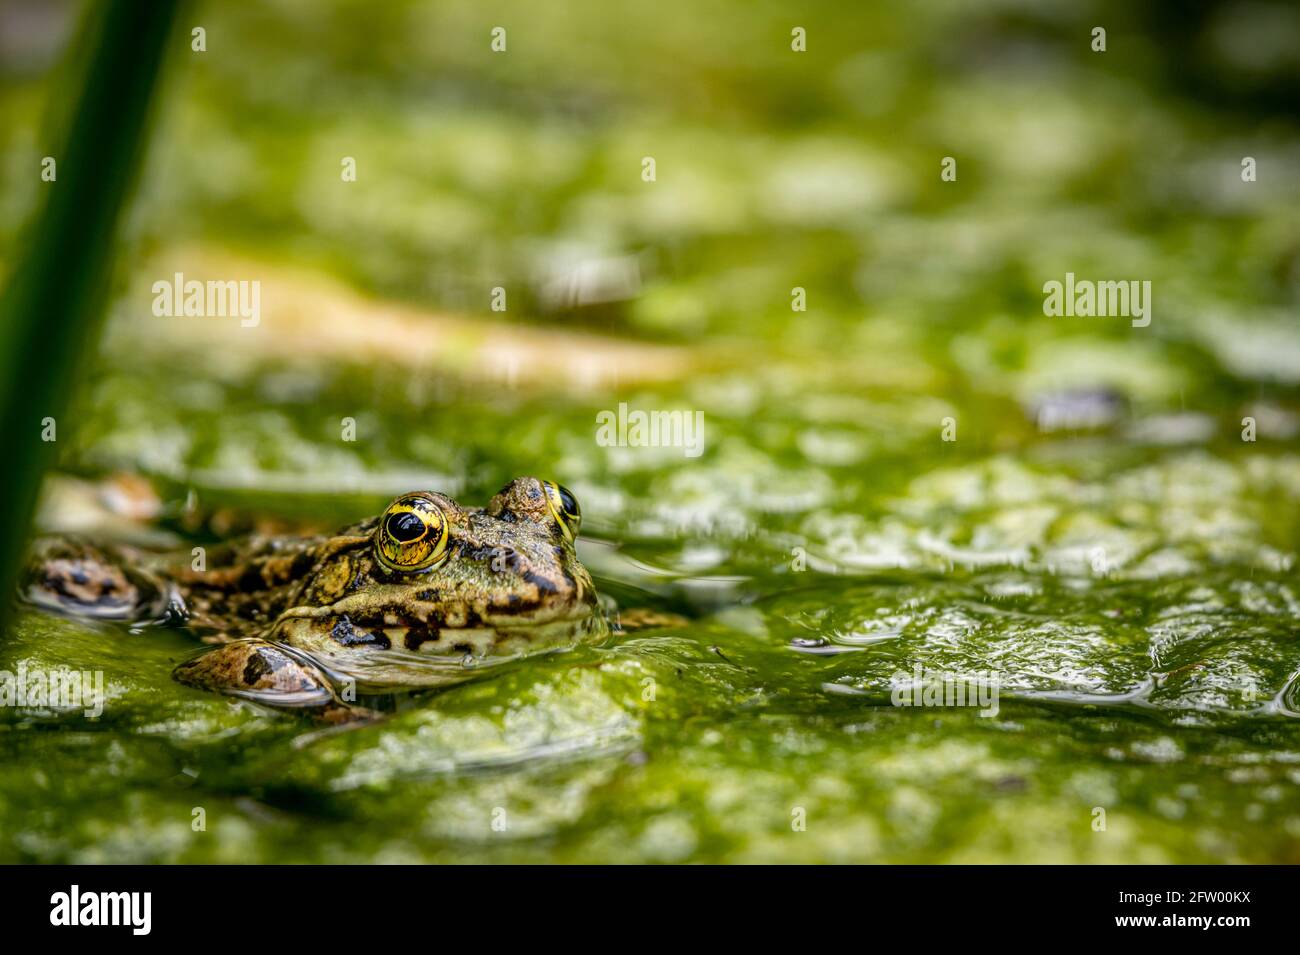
348	635
302	564
251	579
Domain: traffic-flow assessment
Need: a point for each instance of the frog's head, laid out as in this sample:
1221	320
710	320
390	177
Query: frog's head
428	576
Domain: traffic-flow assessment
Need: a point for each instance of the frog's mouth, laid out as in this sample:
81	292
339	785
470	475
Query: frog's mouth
380	654
330	631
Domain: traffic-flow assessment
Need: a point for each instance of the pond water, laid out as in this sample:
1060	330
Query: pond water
1133	603
922	475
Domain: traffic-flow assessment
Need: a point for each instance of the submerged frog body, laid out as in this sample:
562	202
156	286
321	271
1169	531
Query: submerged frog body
426	594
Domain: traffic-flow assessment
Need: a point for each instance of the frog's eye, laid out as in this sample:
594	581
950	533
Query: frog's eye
564	506
412	535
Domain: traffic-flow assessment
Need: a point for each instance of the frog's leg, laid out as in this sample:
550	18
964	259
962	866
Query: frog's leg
272	675
70	576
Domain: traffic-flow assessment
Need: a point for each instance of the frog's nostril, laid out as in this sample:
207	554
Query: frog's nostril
405	527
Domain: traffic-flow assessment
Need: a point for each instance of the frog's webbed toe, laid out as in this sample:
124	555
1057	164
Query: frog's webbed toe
269	674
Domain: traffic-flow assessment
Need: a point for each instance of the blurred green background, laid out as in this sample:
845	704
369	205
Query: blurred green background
1130	578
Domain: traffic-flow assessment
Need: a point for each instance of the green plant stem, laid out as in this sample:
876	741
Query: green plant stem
53	307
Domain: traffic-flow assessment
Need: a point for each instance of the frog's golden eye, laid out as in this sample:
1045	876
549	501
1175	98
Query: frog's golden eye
564	506
412	535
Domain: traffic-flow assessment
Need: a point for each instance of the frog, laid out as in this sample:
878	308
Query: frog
424	595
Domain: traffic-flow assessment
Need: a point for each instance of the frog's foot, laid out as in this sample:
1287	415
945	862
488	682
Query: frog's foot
73	577
272	675
646	618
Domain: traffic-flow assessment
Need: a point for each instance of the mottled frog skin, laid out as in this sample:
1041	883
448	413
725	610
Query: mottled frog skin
427	594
